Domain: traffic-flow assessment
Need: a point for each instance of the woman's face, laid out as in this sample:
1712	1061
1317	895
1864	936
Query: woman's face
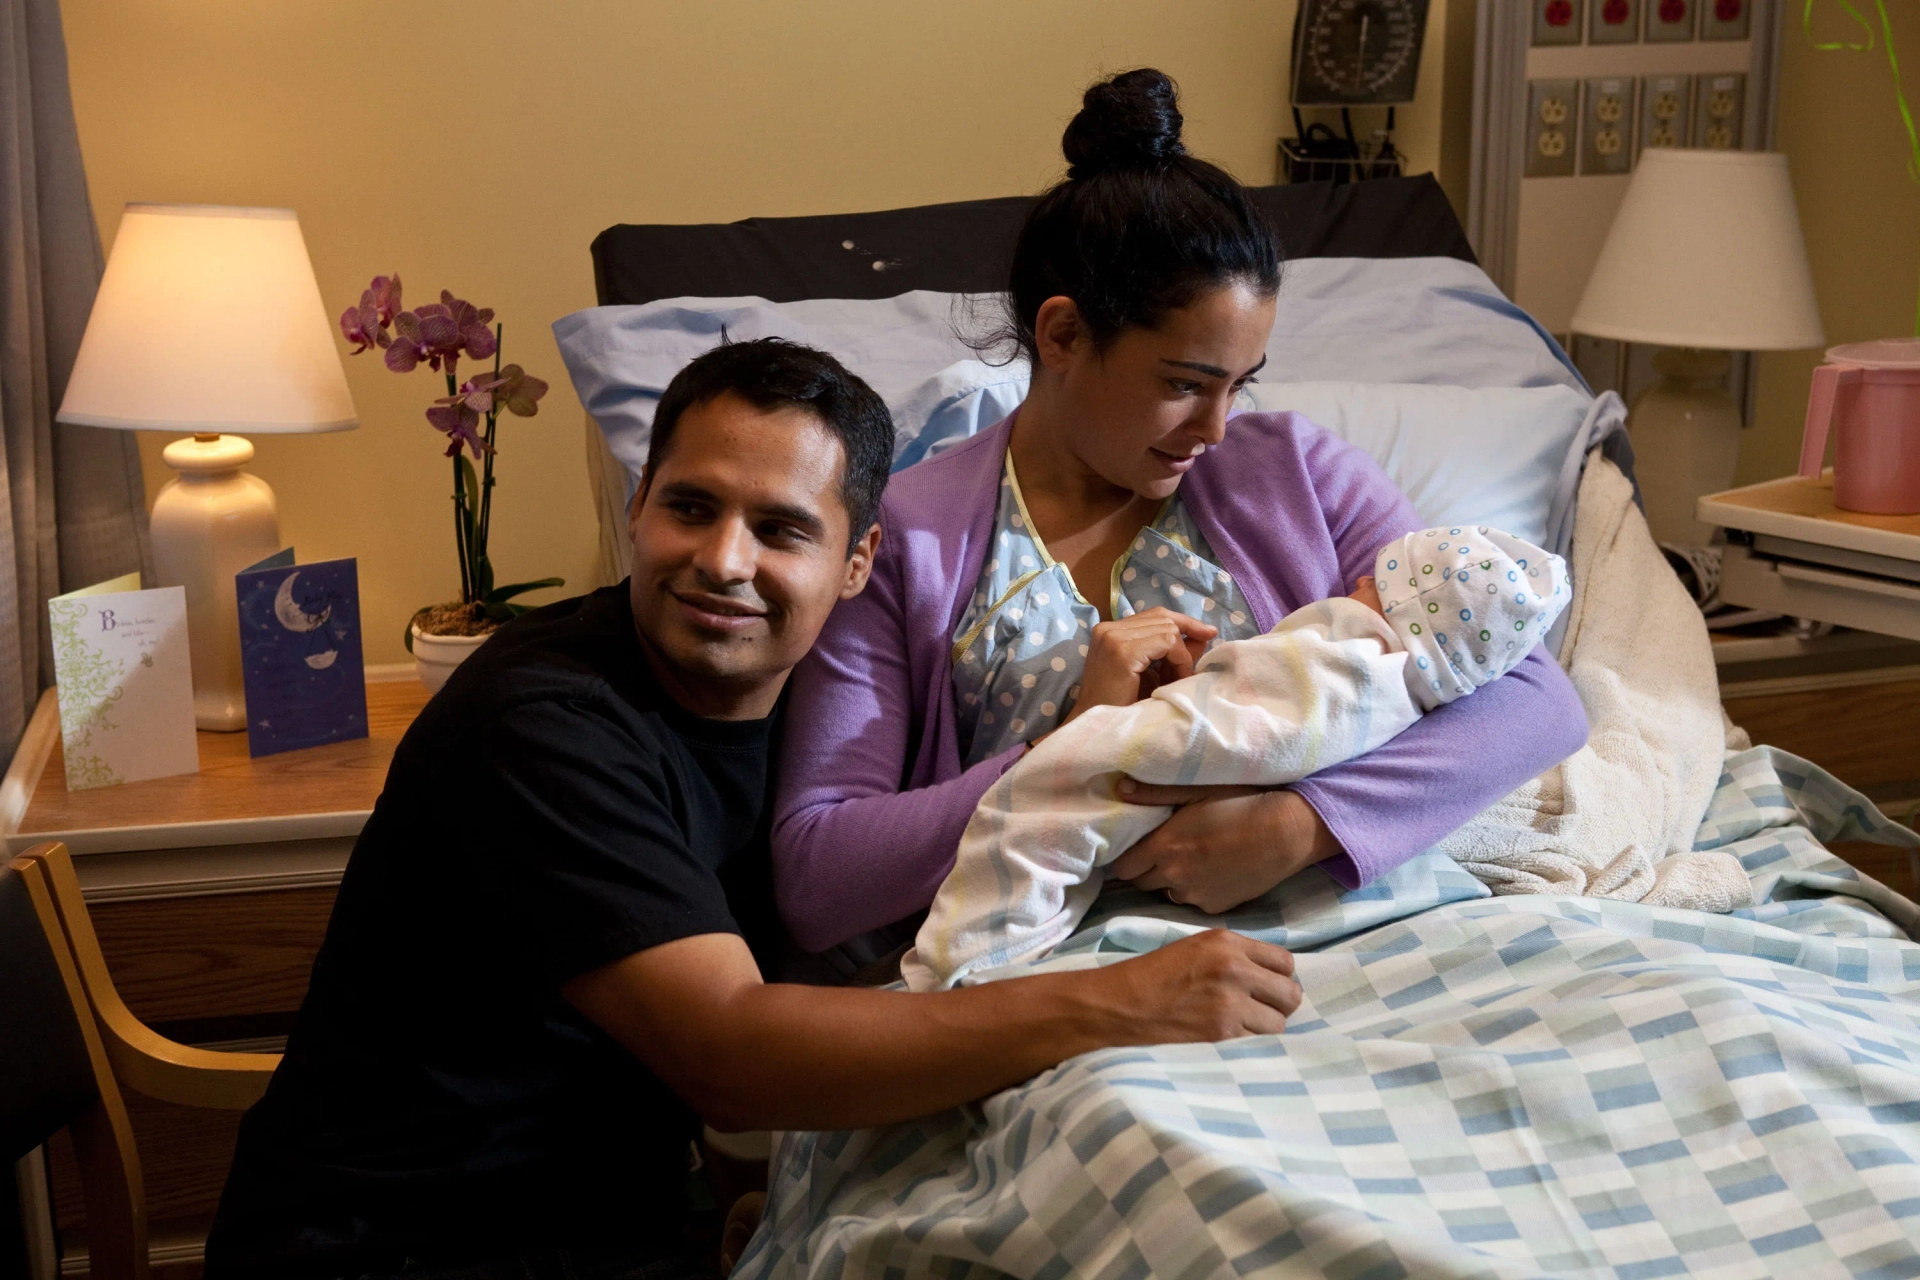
1140	413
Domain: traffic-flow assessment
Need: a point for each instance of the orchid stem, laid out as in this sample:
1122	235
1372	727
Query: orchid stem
460	543
486	482
460	532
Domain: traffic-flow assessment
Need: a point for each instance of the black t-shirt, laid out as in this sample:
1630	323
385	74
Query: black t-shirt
550	811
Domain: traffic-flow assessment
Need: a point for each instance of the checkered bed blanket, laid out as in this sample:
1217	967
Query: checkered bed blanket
1476	1086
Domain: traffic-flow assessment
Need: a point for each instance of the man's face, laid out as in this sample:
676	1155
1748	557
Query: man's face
740	552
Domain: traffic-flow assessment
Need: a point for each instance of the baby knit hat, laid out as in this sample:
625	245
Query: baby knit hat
1468	602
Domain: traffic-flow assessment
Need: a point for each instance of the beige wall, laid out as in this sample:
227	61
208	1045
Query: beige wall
1861	213
481	146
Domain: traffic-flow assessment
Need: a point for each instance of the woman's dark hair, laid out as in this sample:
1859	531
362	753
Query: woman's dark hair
771	373
1139	227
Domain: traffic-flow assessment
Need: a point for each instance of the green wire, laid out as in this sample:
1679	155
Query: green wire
1899	92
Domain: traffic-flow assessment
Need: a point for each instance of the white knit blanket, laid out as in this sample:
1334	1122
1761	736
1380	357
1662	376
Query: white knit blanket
1617	818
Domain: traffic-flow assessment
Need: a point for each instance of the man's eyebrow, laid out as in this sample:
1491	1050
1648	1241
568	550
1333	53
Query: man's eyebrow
804	519
1212	370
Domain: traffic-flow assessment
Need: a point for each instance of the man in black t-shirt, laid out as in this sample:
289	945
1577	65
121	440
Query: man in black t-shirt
544	964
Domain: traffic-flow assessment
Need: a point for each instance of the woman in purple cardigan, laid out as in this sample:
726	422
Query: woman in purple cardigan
1094	544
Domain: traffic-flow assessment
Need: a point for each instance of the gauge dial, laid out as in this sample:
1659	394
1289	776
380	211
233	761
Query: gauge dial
1356	52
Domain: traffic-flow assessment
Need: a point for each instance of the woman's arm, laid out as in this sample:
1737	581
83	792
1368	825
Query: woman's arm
1454	762
851	850
1363	818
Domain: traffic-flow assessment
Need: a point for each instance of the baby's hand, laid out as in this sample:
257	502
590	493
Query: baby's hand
1367	594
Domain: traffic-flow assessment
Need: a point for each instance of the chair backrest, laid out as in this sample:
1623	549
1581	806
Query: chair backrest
54	1073
143	1060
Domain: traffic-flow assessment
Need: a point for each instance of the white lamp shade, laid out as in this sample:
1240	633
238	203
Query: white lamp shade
1705	252
209	320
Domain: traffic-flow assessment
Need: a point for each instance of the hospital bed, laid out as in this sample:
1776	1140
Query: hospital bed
1478	1085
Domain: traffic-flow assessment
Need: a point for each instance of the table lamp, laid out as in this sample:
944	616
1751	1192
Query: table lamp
209	321
1705	256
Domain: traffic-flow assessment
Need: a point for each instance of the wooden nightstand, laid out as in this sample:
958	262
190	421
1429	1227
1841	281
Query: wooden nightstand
210	892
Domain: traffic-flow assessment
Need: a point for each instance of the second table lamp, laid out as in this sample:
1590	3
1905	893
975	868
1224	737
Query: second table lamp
209	321
1704	256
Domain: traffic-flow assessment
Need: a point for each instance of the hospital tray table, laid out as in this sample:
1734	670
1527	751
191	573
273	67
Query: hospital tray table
1790	550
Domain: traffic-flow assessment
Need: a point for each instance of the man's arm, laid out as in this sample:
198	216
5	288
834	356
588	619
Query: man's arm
747	1054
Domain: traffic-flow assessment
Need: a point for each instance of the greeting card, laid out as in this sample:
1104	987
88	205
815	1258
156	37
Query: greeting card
300	653
124	681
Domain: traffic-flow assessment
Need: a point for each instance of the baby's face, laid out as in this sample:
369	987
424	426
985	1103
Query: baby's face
1367	594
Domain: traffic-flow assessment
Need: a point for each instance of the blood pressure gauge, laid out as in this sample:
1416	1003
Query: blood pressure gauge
1354	53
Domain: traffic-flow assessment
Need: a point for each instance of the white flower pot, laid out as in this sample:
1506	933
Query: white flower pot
435	657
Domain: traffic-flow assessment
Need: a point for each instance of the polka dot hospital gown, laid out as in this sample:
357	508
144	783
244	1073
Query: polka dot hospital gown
1022	643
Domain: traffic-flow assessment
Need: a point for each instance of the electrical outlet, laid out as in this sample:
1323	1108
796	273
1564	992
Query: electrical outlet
1550	128
1666	104
1724	19
1557	21
1613	21
1719	110
1669	20
1606	125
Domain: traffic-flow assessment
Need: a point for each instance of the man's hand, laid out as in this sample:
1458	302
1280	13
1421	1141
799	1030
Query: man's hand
1225	845
1213	986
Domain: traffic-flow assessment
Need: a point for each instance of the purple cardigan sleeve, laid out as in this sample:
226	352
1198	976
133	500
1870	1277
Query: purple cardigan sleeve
856	845
1454	762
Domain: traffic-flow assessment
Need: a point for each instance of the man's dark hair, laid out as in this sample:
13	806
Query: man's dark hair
769	373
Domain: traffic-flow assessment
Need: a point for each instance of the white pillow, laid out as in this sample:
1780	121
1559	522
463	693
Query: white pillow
1486	455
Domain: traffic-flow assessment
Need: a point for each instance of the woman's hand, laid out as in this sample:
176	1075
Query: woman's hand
1130	657
1224	845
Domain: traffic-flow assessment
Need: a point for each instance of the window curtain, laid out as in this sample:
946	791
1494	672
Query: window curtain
74	508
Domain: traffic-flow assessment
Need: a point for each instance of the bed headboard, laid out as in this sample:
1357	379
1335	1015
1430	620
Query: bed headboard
964	247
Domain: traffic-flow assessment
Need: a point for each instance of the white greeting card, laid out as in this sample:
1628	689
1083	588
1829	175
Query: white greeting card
124	681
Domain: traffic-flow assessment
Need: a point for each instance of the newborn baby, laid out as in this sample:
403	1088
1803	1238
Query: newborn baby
1457	607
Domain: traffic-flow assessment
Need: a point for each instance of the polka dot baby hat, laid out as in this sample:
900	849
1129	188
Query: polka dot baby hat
1468	602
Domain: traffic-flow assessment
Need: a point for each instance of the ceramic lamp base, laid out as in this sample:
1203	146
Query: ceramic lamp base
210	522
1686	442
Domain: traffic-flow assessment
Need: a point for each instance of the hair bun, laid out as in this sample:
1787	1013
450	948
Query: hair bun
1129	122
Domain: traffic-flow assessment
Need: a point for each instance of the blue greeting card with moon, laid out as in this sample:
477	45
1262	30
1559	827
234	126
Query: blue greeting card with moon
300	653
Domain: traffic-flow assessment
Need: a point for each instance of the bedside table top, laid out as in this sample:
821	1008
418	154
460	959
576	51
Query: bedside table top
314	793
1803	510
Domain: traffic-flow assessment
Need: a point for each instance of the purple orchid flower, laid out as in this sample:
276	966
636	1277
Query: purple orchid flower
361	326
385	298
460	423
474	323
365	326
409	344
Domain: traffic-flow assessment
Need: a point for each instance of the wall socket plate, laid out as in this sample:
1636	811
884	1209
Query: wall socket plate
1725	19
1552	126
1719	110
1666	109
1558	21
1613	21
1606	125
1671	20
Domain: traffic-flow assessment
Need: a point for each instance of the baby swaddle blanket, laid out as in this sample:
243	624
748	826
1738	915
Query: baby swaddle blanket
1331	682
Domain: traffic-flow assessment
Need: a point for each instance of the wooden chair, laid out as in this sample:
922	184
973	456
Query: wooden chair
67	1044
